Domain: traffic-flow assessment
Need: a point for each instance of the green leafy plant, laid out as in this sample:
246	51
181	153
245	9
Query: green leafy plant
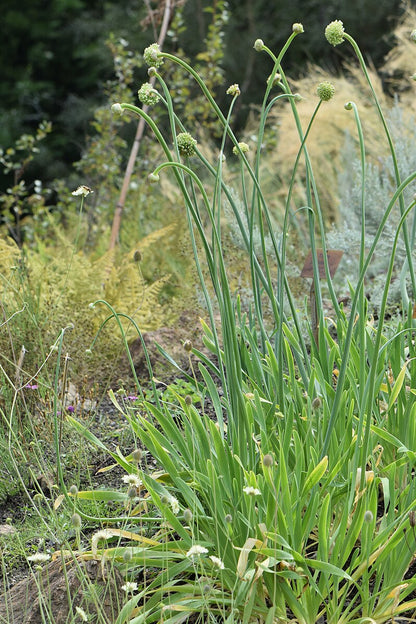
288	495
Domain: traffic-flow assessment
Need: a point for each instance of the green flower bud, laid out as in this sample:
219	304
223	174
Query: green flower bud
277	78
298	28
268	460
117	108
243	148
325	91
316	403
187	345
334	32
368	517
186	144
76	521
148	95
233	90
127	555
413	35
152	71
137	453
73	490
188	400
258	45
153	178
348	106
187	515
152	56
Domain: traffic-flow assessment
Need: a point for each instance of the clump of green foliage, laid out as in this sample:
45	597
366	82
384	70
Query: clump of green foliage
288	494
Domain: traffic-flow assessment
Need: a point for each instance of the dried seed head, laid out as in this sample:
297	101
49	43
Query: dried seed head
316	403
187	345
412	519
188	400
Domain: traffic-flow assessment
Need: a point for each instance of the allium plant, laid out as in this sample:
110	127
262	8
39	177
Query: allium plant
293	485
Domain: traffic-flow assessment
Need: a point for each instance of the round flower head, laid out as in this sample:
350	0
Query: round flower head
196	550
174	504
117	108
258	45
276	79
243	148
129	587
218	563
153	178
40	558
368	517
82	190
76	521
233	90
186	144
298	28
148	95
325	91
152	55
83	616
334	32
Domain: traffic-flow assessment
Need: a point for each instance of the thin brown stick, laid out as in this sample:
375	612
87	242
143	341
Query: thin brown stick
115	229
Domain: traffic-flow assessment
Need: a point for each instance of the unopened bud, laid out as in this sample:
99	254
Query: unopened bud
258	45
76	521
368	517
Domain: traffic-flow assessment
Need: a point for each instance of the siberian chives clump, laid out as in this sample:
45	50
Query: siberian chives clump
267	507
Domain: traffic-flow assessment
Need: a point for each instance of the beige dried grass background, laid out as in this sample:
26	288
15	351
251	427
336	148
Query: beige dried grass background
327	137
